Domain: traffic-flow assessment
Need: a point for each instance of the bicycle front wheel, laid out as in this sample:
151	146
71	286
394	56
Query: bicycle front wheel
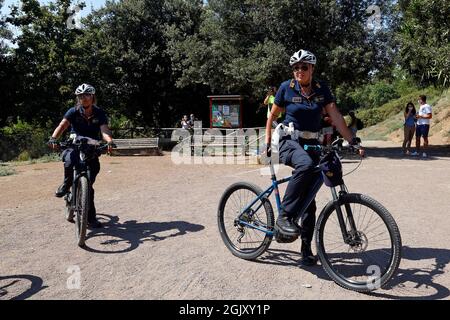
82	209
68	210
358	243
244	234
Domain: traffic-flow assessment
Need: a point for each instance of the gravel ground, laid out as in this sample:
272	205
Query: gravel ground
160	239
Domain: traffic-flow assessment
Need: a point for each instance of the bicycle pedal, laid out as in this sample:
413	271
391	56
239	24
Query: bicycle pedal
68	196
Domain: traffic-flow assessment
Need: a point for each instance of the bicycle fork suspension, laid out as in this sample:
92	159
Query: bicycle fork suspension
350	234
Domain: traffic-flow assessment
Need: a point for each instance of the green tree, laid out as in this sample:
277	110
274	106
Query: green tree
5	33
6	71
244	45
424	37
124	50
44	51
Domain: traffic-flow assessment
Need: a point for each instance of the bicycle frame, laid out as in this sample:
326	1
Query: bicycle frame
81	169
307	201
76	176
265	194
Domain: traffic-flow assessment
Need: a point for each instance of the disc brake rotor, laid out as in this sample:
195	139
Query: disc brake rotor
359	242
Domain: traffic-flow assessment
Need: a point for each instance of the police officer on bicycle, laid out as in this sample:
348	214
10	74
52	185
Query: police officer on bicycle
302	99
88	120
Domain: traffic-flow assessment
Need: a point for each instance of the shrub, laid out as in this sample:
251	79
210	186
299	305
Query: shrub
373	116
382	92
24	156
6	170
23	141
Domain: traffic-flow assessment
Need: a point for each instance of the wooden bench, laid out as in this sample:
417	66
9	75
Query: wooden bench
136	146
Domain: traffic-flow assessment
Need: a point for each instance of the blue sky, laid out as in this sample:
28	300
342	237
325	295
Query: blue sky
89	3
95	4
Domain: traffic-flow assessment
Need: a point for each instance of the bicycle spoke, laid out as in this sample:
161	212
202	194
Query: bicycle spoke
387	239
369	245
250	238
381	224
340	245
364	218
237	206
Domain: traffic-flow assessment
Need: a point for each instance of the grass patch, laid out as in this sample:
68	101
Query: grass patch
373	116
377	136
392	126
52	157
390	116
6	170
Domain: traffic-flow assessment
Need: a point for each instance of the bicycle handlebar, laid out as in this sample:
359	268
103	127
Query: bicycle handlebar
67	144
335	145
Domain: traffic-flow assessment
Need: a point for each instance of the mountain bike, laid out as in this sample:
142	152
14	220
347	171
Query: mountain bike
77	199
358	241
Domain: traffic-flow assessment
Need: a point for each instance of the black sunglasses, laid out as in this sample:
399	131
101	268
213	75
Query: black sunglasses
303	67
84	96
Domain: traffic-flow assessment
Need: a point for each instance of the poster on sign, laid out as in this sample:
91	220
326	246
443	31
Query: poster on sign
225	111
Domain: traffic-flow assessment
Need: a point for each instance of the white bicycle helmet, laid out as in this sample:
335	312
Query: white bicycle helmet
302	56
85	88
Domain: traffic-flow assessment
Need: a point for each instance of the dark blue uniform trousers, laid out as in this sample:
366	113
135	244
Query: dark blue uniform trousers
292	154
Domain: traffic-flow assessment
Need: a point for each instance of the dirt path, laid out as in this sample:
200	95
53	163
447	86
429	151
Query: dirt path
161	241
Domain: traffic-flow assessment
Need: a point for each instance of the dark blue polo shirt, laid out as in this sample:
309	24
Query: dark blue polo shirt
82	126
306	114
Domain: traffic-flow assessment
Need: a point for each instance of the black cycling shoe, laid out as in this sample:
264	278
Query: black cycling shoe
308	258
308	261
94	224
62	190
286	226
67	183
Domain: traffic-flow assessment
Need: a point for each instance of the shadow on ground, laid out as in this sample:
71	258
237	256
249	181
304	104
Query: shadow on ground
20	287
117	237
407	284
433	152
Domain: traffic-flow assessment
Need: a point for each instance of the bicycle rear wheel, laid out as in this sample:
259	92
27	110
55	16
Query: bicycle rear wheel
243	241
82	208
370	255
